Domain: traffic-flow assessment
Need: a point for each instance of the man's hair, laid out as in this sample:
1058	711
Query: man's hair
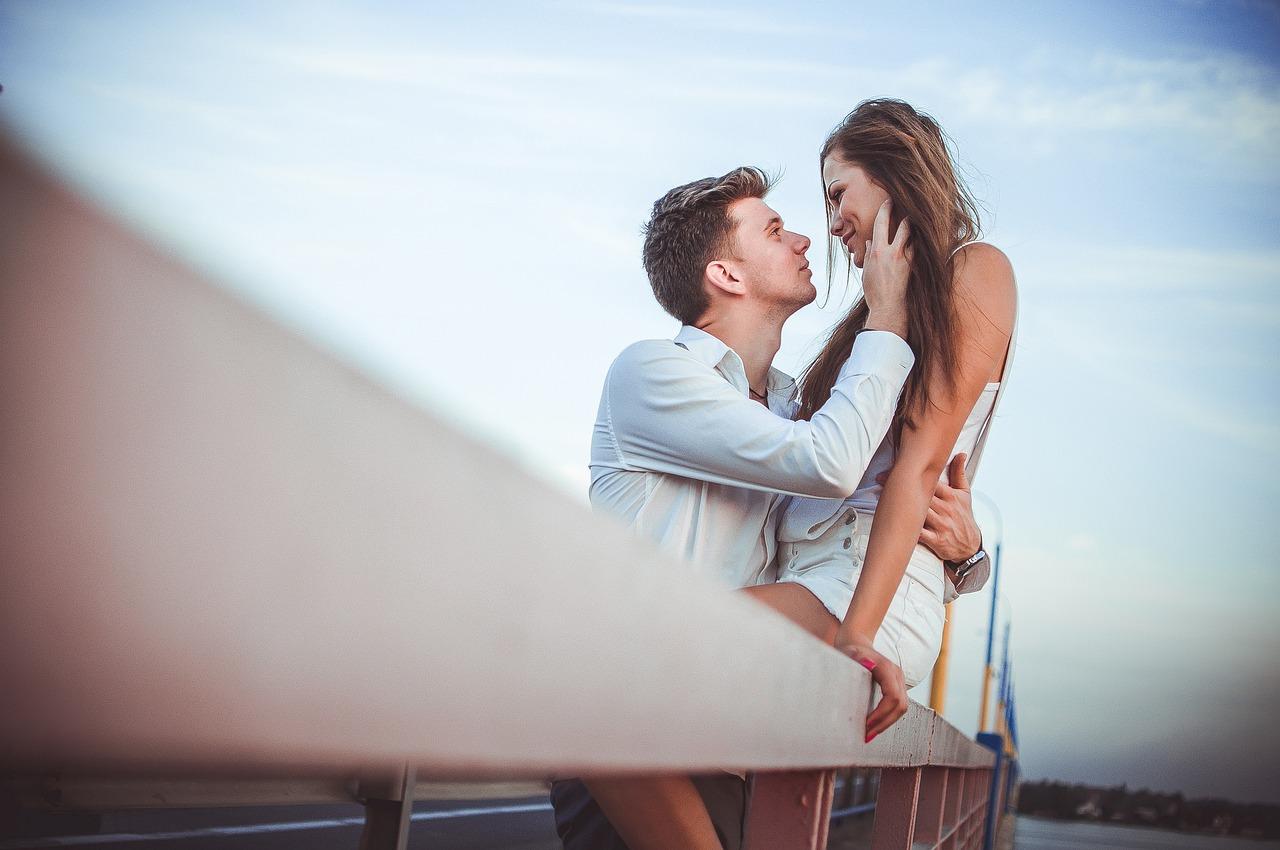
691	226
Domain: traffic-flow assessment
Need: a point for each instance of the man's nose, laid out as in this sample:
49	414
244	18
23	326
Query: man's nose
802	243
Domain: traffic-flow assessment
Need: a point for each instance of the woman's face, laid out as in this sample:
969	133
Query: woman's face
855	200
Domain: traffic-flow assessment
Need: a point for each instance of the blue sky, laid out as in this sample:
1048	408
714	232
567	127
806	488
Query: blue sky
450	195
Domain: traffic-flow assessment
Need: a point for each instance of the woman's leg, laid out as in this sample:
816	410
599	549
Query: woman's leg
655	812
667	812
799	605
662	812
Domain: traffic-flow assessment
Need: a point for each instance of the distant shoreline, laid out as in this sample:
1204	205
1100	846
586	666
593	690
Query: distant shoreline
1170	813
1143	827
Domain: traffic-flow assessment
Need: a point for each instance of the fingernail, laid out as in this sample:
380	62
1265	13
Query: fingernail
870	738
868	663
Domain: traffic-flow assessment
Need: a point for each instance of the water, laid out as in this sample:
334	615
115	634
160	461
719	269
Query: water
1035	834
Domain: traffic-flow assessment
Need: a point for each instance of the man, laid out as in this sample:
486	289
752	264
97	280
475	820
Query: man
694	445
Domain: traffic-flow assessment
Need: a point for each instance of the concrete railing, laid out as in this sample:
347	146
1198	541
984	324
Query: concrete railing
226	554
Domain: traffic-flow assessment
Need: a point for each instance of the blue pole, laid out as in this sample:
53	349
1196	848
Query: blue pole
1013	768
995	595
991	829
1013	716
1004	669
991	633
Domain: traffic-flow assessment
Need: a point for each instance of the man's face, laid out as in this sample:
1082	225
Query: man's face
771	260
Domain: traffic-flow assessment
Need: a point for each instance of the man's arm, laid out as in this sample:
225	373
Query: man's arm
670	413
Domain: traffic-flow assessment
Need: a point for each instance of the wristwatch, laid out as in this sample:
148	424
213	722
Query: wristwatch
962	568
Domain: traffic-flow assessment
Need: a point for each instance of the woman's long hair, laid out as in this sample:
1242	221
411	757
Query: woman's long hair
905	153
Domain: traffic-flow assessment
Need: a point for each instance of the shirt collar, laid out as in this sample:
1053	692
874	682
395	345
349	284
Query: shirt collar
702	345
712	351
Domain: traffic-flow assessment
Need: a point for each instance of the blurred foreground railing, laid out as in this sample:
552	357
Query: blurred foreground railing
228	558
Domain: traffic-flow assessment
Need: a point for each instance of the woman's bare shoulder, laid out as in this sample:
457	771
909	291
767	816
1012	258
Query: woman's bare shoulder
984	280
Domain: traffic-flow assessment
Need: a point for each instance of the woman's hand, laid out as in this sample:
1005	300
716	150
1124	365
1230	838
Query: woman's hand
886	674
886	267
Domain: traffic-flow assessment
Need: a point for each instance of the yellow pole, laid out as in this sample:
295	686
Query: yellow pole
987	673
938	683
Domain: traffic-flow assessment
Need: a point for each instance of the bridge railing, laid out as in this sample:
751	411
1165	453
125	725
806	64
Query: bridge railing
228	555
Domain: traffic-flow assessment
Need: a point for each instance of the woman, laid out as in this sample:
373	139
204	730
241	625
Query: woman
885	165
961	306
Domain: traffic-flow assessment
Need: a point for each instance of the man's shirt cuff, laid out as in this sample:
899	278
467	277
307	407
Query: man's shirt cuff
880	353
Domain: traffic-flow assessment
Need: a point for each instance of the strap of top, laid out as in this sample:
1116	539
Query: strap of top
971	465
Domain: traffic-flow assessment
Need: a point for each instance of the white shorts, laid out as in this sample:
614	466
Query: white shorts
829	565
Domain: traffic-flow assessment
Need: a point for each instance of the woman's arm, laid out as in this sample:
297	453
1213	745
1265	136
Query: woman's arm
984	291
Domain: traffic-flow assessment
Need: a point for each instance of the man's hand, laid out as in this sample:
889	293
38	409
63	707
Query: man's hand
950	531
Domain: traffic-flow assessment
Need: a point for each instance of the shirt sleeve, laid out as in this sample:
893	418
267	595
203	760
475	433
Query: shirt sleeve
670	413
972	581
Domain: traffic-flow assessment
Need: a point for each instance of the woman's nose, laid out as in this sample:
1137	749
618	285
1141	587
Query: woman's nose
837	225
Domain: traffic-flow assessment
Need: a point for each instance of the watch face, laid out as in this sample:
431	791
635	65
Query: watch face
964	567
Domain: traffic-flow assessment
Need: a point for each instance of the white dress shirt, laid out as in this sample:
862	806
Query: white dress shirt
684	457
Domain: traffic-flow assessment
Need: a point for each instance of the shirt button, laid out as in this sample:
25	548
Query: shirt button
848	541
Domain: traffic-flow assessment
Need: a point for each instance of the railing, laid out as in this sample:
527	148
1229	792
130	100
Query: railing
228	556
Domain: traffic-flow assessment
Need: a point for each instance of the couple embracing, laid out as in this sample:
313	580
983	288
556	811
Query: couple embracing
841	502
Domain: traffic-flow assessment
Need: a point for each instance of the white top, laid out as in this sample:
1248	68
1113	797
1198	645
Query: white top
684	457
867	496
807	519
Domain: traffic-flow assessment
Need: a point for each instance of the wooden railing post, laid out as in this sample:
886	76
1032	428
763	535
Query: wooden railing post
896	805
387	813
979	805
952	805
932	797
790	810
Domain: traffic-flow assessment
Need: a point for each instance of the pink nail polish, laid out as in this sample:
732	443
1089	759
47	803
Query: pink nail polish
870	738
868	663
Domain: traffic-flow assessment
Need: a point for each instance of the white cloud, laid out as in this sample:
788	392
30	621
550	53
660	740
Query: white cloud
1147	269
1227	104
238	123
1082	542
722	20
1191	405
1218	105
431	66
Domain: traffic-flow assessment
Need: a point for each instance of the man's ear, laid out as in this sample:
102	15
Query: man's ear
724	276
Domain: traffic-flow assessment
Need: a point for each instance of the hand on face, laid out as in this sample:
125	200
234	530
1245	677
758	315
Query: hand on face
886	265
